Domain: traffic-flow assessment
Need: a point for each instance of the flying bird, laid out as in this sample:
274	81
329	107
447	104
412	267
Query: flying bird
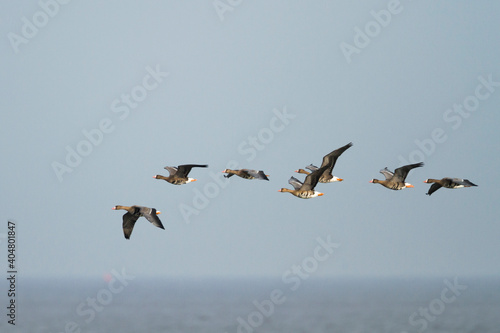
447	183
133	213
305	190
246	174
396	180
329	161
179	175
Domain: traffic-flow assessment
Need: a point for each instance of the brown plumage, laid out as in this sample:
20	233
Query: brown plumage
396	180
447	183
329	161
133	213
179	175
305	190
246	174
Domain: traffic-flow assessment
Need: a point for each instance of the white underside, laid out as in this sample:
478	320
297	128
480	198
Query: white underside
314	195
334	179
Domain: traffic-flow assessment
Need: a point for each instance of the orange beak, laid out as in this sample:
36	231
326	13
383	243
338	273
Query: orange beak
320	194
410	185
340	179
371	181
158	212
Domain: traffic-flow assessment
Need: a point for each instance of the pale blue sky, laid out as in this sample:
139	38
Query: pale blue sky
227	81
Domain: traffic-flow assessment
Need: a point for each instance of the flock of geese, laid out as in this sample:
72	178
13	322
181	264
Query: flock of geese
304	190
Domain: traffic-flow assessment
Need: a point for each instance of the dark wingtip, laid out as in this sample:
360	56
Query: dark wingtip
470	183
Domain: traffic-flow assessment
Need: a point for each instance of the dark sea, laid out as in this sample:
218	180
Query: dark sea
117	304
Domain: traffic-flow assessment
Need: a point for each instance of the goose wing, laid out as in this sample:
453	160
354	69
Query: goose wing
387	173
312	167
434	187
312	179
256	174
463	182
151	216
297	184
171	170
330	159
183	170
401	173
128	223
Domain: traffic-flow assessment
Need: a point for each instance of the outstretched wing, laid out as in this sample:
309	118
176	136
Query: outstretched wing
434	187
387	173
463	182
256	174
312	167
297	184
171	170
401	173
330	159
183	170
151	216
312	179
128	224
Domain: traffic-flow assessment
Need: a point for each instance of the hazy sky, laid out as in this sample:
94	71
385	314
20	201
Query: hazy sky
98	97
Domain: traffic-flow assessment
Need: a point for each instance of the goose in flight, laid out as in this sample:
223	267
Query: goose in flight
133	213
396	180
447	183
305	190
179	175
329	161
246	174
